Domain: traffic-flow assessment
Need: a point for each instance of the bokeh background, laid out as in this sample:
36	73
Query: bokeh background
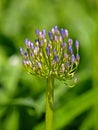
22	96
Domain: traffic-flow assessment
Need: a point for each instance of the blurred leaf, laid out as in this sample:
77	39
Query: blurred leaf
3	57
12	122
27	102
11	74
87	124
75	107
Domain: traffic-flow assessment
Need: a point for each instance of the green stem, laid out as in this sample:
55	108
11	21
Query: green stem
49	103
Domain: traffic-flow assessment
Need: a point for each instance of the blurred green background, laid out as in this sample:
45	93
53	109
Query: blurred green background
22	97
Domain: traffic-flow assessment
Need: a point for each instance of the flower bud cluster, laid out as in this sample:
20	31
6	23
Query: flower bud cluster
53	56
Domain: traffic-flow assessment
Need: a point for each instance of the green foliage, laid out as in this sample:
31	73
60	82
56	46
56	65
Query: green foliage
22	97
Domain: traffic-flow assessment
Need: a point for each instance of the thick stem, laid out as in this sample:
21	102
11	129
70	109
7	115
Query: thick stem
49	103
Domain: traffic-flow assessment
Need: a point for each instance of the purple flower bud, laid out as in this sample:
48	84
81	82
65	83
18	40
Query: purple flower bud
56	58
64	33
56	38
37	42
31	45
67	64
39	64
48	51
77	45
32	55
66	56
63	45
28	62
54	51
25	55
52	31
24	62
53	62
60	38
37	32
27	42
70	49
72	58
56	31
51	36
40	35
44	32
77	57
70	41
36	50
56	28
41	43
21	51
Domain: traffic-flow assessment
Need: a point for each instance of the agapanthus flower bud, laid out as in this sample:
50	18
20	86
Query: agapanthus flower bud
41	36
37	32
25	56
47	50
51	36
41	43
24	62
27	63
39	65
72	58
27	42
70	41
64	33
77	45
60	38
66	56
56	39
63	45
54	51
77	57
55	30
32	54
56	58
31	45
70	49
36	50
21	51
44	32
52	56
67	64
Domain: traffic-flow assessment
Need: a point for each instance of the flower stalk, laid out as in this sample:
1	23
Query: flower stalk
49	102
